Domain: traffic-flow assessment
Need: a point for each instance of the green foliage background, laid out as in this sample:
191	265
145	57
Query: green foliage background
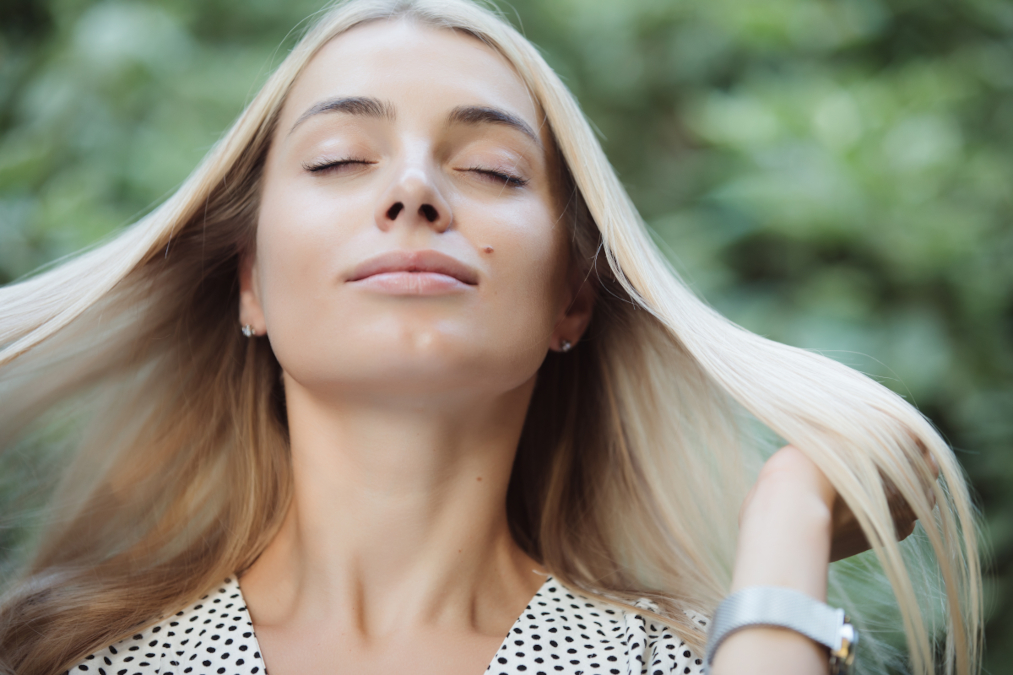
837	175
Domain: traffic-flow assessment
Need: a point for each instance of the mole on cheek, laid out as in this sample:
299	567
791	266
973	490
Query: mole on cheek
487	249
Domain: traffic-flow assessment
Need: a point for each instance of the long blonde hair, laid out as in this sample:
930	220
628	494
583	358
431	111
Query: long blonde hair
637	451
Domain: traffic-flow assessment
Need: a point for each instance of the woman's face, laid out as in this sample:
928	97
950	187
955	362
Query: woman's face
409	238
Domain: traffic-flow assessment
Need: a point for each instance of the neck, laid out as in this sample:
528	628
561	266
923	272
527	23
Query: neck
398	517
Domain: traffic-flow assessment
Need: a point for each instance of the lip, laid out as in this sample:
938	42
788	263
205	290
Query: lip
413	272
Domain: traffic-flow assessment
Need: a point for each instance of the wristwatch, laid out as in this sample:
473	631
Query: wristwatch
786	608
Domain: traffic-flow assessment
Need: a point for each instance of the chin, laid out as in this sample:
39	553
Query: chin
432	378
410	360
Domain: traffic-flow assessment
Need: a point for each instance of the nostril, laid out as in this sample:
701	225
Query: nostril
429	213
393	211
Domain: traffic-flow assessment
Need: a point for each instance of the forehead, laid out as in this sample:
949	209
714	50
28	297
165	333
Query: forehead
421	69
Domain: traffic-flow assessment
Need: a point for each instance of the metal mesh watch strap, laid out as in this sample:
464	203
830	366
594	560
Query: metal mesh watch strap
785	608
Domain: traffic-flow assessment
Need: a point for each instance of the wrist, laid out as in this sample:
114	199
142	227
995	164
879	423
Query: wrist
770	610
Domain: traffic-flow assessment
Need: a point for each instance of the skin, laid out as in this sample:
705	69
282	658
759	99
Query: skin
405	410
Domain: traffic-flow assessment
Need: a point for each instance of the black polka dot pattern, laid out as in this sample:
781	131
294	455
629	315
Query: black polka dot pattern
561	632
213	636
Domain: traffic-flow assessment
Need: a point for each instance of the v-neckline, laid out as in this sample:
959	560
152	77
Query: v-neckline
549	579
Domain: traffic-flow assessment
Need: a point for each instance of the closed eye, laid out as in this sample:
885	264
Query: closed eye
500	176
329	164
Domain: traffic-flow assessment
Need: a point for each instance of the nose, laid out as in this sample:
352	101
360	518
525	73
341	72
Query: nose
413	199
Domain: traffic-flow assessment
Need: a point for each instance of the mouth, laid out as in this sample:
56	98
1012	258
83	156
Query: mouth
414	273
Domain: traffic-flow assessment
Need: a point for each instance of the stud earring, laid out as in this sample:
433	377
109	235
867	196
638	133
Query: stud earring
248	330
565	346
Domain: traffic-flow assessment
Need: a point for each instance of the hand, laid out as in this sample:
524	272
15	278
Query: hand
791	525
789	475
791	465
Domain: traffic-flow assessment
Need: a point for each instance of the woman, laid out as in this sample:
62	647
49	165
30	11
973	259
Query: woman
398	372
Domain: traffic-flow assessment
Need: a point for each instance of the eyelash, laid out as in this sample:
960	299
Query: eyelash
333	164
508	179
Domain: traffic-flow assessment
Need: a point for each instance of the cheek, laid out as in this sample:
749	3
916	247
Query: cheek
301	226
526	272
527	279
300	234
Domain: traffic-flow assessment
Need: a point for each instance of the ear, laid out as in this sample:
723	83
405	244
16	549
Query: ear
583	291
250	311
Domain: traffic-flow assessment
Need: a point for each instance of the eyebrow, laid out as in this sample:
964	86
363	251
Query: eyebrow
471	114
366	106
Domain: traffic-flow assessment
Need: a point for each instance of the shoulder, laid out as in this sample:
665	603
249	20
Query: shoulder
567	632
209	636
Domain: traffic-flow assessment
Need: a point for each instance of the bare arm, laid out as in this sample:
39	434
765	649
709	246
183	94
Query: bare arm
785	533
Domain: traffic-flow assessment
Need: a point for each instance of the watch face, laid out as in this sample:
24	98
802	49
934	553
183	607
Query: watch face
841	660
850	635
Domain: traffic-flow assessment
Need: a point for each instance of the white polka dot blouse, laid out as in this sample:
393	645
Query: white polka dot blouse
561	632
